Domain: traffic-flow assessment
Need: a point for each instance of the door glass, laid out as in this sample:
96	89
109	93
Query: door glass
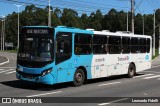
64	47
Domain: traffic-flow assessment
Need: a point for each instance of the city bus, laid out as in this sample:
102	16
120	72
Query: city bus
51	55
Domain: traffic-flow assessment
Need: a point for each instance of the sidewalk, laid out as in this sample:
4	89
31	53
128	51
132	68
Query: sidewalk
3	60
156	61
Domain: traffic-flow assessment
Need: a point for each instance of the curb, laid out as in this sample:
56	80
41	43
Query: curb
5	62
155	58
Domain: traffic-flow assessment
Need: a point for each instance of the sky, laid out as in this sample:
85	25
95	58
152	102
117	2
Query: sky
83	6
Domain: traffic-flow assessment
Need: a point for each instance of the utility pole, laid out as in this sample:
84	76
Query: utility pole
154	34
159	38
143	24
4	32
18	6
132	11
49	13
2	35
143	21
127	16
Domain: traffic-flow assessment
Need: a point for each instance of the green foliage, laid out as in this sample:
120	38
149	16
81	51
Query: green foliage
10	51
156	54
113	20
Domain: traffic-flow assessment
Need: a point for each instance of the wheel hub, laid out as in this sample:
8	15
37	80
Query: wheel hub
78	77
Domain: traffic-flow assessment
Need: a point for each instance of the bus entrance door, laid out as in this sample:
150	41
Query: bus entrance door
61	73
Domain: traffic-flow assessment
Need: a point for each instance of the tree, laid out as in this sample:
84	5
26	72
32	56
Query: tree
70	18
139	24
58	13
122	21
11	28
85	21
55	20
96	19
110	21
148	24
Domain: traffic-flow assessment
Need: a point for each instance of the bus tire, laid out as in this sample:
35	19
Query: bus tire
79	77
131	70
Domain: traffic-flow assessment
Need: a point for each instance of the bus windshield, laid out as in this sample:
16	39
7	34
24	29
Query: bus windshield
36	45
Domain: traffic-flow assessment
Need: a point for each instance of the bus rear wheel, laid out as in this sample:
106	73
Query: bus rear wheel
131	70
79	77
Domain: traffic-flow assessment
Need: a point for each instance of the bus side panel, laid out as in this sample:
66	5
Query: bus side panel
99	66
107	65
125	63
114	64
80	61
144	62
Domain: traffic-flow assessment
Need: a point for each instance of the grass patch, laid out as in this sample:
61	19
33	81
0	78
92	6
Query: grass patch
10	51
157	53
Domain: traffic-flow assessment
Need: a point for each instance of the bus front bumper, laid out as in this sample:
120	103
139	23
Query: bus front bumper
47	79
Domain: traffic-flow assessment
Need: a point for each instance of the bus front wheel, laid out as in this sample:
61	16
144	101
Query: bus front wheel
79	77
131	70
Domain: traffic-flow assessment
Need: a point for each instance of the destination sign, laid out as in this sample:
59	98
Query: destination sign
37	31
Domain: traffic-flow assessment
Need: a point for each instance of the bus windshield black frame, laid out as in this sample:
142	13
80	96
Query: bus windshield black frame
36	45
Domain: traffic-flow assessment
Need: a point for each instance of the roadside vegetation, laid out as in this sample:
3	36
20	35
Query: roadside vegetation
156	54
10	51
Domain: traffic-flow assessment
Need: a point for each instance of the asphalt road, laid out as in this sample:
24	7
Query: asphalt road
145	84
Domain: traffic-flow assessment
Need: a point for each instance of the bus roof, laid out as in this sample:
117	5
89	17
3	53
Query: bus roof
36	27
78	30
72	29
120	34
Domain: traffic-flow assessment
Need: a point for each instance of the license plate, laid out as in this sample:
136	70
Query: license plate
28	76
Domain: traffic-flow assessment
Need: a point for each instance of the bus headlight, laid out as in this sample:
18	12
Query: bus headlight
45	72
18	69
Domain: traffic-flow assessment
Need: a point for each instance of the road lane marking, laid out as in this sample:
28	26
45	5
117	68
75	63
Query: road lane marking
118	100
44	94
109	83
143	75
152	71
155	66
151	77
1	69
6	70
158	79
8	67
10	72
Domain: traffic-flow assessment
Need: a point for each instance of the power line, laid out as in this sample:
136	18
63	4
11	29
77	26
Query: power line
75	5
138	5
86	7
99	4
153	1
158	4
154	5
150	3
88	4
38	3
12	1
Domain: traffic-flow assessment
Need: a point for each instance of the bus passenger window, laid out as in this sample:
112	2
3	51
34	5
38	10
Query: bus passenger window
148	45
82	44
142	45
114	44
100	44
126	45
134	45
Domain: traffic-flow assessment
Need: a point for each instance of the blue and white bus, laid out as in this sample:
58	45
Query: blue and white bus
64	54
